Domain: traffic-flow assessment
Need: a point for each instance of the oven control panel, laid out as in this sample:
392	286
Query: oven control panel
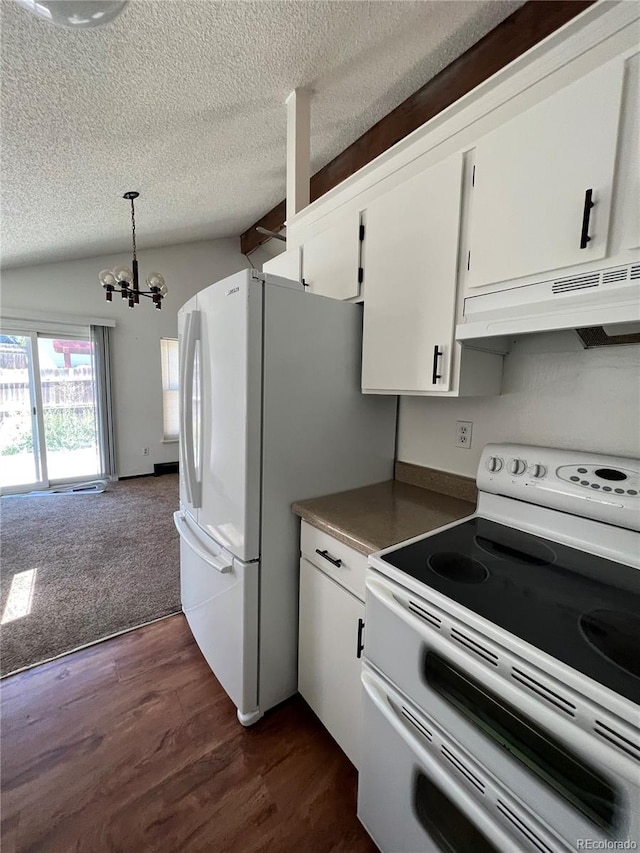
606	488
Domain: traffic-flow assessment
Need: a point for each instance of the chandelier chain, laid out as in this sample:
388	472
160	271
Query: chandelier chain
133	229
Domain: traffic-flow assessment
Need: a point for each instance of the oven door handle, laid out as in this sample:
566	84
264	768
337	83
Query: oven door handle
454	653
436	771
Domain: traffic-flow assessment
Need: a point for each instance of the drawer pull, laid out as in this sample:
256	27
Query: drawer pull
328	557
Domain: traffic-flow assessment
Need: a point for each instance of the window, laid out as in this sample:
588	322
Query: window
169	356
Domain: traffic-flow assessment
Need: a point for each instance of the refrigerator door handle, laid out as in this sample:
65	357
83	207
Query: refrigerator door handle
182	433
221	563
187	368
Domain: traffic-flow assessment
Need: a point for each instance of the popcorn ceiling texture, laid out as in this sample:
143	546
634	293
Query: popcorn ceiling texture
184	102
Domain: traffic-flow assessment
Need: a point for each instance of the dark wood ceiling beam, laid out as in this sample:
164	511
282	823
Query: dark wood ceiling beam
527	26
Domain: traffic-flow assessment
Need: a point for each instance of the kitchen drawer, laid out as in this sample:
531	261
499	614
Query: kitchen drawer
352	569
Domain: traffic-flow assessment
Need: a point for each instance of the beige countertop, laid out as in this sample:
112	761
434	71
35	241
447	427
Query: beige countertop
378	516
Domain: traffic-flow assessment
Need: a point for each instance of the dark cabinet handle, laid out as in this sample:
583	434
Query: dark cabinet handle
586	215
360	644
437	354
326	555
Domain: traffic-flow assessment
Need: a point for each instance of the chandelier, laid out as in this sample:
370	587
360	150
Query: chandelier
127	279
78	14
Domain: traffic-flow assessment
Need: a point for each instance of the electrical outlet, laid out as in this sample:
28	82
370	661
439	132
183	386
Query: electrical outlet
463	434
145	451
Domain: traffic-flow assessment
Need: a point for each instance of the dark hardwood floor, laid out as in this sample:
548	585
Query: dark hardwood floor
133	746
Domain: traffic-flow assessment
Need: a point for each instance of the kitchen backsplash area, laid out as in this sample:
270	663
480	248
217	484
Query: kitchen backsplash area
555	394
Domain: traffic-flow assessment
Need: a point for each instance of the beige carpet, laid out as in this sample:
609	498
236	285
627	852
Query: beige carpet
104	563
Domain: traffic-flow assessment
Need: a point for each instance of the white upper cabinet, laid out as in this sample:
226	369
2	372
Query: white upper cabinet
287	264
331	259
626	212
536	177
410	255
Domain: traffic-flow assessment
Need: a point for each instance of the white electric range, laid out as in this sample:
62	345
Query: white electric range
502	666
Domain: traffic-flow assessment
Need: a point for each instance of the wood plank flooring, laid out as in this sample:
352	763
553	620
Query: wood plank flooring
133	746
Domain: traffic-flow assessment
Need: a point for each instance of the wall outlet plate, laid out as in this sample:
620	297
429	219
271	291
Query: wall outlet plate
145	451
464	430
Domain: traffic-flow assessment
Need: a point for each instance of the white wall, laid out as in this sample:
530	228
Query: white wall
555	394
72	288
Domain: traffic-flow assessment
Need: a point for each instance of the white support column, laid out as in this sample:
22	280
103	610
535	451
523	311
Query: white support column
298	150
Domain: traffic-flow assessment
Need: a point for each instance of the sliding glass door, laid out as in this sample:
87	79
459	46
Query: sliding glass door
20	458
49	427
69	408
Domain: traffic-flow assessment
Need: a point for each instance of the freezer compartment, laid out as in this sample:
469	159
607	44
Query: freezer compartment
220	600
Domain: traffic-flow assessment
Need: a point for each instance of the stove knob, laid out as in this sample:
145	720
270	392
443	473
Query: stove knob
517	466
538	471
494	463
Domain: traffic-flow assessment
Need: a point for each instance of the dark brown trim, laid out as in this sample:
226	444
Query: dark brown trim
528	25
134	477
165	468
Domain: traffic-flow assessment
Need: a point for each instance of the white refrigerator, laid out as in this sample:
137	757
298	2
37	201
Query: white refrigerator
270	412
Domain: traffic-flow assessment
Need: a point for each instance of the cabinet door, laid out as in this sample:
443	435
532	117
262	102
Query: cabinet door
328	663
532	177
331	259
287	264
410	256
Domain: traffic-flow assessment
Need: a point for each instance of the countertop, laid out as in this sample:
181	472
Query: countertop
375	517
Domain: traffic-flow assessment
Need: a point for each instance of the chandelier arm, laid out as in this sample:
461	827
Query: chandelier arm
129	290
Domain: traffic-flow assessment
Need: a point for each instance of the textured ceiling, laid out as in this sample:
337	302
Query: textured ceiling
184	101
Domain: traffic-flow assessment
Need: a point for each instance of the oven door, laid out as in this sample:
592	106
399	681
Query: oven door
575	785
419	790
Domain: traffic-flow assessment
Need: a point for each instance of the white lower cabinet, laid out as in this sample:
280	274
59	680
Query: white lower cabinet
329	654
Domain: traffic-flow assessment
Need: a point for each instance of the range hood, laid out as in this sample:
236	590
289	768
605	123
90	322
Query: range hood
608	297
